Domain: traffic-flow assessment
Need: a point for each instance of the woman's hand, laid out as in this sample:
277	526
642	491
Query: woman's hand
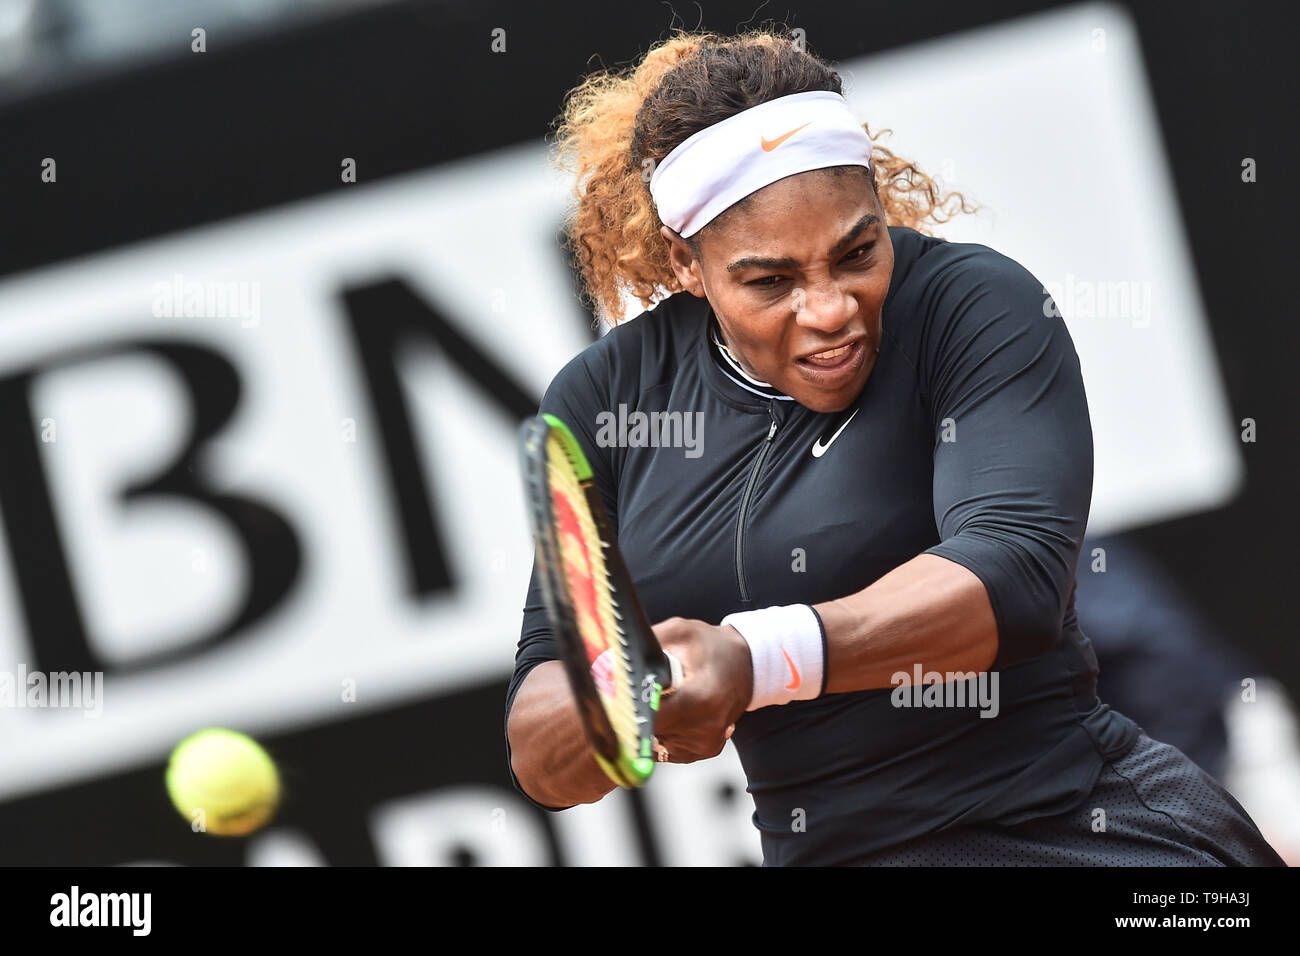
696	719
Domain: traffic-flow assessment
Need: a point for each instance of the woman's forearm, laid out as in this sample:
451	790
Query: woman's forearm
548	747
928	611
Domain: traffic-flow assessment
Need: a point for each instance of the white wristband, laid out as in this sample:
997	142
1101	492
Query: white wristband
787	645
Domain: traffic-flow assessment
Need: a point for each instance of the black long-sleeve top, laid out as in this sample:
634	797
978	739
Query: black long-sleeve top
970	440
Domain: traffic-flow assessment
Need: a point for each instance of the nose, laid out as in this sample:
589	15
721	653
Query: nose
825	306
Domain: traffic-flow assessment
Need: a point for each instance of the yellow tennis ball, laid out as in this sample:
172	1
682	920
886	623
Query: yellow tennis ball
223	782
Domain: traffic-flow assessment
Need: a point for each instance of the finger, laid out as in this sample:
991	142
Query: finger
685	756
700	748
677	752
672	715
667	630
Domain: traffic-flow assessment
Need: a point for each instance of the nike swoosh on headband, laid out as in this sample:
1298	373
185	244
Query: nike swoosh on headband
771	144
819	449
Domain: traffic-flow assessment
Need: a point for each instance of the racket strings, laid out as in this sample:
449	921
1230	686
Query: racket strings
619	706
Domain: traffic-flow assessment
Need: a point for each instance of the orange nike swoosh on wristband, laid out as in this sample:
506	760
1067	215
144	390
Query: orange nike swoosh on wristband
771	144
794	684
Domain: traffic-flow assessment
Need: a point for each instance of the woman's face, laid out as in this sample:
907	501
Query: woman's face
797	277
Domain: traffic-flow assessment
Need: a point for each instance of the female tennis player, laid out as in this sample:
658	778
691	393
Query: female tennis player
864	556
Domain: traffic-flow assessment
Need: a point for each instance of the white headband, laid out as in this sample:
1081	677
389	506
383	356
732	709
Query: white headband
723	163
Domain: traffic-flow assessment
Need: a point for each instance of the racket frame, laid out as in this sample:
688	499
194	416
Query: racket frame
648	673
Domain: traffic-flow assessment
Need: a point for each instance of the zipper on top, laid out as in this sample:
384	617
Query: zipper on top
744	506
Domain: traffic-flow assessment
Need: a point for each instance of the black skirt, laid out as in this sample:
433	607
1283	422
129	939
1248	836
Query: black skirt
1151	807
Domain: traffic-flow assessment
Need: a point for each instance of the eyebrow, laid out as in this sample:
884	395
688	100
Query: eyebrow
761	262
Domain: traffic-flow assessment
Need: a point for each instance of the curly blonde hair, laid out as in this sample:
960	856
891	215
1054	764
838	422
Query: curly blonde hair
618	123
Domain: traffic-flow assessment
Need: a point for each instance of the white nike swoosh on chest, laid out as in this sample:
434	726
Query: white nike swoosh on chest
819	449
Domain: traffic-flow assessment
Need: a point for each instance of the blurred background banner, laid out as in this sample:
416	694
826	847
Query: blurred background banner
279	280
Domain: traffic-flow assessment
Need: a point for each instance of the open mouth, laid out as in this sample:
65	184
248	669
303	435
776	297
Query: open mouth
831	358
833	367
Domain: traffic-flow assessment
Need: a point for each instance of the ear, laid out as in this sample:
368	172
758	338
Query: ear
685	266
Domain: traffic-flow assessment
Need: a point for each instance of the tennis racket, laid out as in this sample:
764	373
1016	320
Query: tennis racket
615	665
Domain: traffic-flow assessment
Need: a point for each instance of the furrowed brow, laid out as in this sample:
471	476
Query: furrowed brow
763	262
